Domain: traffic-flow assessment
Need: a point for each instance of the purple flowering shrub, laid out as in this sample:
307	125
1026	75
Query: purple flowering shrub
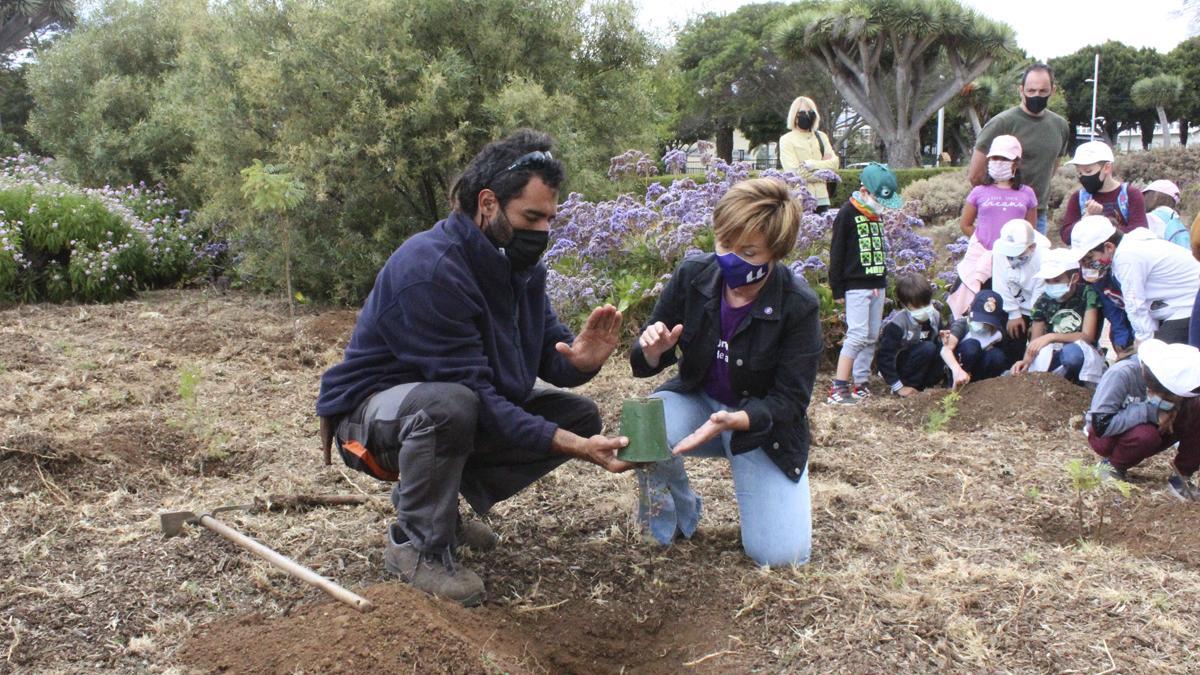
631	163
61	242
623	250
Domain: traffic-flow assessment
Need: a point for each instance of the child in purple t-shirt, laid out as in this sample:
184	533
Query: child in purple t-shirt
1000	199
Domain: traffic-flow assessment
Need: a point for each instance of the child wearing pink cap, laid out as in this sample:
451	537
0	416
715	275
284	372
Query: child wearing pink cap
1000	199
1162	215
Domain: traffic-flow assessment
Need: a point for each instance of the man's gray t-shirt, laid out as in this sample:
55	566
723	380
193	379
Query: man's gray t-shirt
1043	140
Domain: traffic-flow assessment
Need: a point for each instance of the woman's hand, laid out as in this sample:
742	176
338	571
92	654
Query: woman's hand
1022	365
718	422
657	340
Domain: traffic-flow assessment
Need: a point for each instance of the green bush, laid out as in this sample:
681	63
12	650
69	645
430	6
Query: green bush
940	197
375	105
99	99
1178	164
59	242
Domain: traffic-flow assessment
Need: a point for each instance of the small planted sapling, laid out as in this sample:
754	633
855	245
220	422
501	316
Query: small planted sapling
273	191
1089	478
940	416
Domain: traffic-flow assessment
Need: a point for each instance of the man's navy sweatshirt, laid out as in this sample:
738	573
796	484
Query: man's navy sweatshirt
446	307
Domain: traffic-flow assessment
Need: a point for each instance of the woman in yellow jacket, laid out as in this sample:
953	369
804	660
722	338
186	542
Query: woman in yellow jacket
806	148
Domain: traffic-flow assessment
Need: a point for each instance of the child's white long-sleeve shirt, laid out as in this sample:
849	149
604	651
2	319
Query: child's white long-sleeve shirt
1019	287
1158	280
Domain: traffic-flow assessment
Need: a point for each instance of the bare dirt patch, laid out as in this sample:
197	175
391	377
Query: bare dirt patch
931	551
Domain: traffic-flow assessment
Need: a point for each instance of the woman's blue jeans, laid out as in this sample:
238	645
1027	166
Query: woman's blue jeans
775	513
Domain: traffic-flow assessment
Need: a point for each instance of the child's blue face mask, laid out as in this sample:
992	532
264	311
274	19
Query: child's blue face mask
1057	291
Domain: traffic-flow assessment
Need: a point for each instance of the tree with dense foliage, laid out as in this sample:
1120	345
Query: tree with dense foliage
21	20
1120	66
735	78
373	104
1184	62
883	56
99	99
1159	92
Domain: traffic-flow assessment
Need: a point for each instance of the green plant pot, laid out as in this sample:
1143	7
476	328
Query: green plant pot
644	423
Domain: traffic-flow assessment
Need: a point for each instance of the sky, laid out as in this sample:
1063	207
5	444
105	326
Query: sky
1045	28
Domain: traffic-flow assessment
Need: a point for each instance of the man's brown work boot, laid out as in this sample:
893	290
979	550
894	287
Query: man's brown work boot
434	573
476	534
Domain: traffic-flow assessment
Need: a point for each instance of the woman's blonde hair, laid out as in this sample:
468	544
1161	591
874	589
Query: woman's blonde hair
763	206
791	118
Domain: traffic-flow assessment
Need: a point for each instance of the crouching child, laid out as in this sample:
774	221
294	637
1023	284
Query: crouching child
1144	405
909	342
1066	323
971	348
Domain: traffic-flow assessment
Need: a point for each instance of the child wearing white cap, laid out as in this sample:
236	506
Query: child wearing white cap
1162	200
1143	406
1101	194
1158	281
1066	323
1016	259
1002	198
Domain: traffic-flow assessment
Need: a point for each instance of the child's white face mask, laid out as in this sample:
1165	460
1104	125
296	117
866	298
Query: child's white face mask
922	314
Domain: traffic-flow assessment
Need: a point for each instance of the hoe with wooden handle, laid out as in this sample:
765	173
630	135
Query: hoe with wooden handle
172	524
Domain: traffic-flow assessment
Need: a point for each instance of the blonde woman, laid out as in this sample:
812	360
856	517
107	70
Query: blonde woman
806	148
746	334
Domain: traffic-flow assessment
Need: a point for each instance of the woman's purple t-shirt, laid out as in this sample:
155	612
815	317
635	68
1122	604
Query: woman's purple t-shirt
996	206
716	382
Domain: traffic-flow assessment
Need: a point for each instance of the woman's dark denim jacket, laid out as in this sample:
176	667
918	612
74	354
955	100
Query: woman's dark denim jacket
773	356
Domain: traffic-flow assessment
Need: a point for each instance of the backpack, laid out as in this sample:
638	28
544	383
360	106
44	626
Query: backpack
1122	202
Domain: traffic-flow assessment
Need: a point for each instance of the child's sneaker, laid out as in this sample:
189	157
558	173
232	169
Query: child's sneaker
860	392
1182	488
1110	472
840	396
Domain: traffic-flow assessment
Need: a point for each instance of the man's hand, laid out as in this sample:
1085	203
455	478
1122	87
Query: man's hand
657	340
948	339
718	422
1016	327
961	378
1094	208
599	450
596	342
905	392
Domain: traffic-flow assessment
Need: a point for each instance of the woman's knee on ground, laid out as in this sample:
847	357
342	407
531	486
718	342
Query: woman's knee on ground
777	551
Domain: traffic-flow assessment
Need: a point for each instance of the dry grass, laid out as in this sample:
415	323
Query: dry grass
946	551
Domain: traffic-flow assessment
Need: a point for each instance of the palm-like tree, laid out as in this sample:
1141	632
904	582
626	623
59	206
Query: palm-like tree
896	61
1159	92
20	19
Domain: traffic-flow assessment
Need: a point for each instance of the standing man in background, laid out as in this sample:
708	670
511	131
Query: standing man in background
1044	137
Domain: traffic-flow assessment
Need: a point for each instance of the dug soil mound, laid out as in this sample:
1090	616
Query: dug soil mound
1035	400
411	632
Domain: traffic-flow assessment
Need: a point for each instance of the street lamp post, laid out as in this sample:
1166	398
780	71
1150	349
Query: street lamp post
1095	80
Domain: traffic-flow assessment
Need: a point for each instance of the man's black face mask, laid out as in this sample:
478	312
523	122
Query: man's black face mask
523	248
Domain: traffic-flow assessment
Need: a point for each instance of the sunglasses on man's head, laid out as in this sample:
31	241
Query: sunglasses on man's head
535	158
529	159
